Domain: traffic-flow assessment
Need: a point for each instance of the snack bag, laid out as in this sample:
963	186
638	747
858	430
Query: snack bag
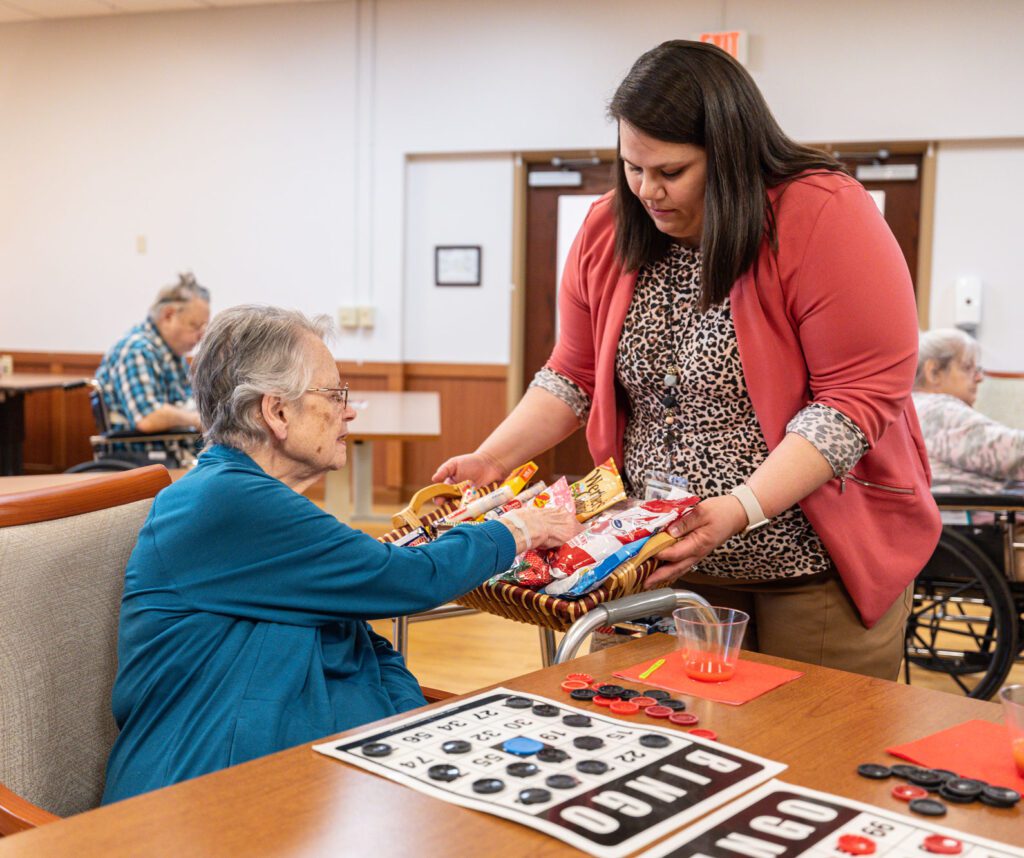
589	578
557	495
419	536
520	477
529	570
598	490
614	529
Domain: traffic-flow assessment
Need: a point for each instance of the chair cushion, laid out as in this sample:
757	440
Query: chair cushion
60	593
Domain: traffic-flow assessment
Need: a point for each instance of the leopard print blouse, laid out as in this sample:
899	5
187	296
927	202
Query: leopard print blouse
718	442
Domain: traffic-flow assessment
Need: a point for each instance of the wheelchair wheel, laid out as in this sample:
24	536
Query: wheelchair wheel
963	623
102	465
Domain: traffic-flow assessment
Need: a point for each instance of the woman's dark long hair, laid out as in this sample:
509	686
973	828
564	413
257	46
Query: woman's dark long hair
695	93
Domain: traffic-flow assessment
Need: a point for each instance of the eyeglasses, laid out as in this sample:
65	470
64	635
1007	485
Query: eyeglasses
339	395
972	369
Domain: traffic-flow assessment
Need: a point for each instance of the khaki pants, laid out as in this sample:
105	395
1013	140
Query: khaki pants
812	620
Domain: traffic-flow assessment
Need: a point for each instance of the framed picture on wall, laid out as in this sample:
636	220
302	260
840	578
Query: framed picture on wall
457	265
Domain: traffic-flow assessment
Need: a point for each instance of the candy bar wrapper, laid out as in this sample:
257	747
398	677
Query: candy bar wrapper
477	508
598	490
613	529
530	570
590	578
518	502
419	536
558	495
518	479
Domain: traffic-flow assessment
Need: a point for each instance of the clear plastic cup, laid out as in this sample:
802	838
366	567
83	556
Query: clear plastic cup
709	639
1013	708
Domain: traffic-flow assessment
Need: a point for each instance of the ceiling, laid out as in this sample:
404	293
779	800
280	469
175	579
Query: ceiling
38	10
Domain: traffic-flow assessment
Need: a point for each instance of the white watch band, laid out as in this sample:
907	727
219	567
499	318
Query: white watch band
755	515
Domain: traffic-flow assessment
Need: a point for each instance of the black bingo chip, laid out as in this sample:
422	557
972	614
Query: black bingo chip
997	796
654	740
928	807
610	690
657	694
946	773
674	705
588	743
456	746
575	720
628	694
377	749
955	797
902	770
552	755
561	781
874	771
443	772
967	788
592	767
545	710
927	778
534	795
583	694
521	770
519	703
488	786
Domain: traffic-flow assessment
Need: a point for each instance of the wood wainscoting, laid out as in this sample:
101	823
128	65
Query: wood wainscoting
473	401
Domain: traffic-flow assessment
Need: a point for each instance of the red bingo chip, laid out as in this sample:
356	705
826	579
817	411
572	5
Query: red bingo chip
683	719
704	734
573	684
657	711
908	792
939	844
585	678
624	707
643	702
855	844
604	701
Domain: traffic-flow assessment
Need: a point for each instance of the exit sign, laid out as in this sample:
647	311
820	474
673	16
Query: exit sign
733	42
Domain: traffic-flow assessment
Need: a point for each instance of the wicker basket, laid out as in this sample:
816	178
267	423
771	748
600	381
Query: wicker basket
513	601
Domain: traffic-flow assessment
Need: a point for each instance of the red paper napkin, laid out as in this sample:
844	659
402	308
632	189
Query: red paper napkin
750	680
974	749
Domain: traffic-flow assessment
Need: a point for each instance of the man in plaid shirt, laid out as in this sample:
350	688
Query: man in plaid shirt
144	377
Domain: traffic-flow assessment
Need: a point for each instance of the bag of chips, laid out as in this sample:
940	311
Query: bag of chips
613	529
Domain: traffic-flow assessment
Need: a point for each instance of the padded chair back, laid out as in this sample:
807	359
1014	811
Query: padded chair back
63	553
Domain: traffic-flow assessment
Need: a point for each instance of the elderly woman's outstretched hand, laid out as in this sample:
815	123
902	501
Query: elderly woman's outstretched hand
710	524
543	527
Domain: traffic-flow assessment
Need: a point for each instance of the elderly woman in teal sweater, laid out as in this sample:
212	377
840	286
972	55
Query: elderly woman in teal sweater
243	624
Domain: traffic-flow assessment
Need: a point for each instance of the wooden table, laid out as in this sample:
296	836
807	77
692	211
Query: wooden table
298	802
380	416
13	388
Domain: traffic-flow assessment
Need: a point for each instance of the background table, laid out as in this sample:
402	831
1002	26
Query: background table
300	803
13	388
380	416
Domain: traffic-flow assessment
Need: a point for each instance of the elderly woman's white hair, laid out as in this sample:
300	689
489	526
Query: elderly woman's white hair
943	346
249	351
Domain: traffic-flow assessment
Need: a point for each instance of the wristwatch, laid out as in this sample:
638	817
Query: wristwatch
755	515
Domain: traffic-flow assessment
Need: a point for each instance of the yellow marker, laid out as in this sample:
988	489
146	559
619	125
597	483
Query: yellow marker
652	668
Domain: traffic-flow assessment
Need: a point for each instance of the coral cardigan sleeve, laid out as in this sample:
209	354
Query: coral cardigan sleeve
853	304
574	355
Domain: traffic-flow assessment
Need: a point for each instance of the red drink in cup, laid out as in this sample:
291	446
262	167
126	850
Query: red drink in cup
709	640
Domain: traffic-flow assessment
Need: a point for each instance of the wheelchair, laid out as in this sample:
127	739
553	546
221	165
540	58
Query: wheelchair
966	626
111	450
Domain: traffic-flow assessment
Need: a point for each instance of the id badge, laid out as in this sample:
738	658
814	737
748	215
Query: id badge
662	486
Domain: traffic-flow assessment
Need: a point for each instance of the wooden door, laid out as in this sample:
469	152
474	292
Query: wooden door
541	293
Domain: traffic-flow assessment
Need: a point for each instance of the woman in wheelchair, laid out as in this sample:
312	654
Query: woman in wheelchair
243	622
969	452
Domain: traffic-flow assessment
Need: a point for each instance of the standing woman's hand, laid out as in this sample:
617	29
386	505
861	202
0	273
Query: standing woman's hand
478	468
710	524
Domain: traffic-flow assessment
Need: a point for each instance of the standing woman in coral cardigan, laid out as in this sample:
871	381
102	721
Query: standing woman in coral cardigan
737	312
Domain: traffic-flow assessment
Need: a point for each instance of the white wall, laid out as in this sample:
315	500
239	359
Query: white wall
266	147
979	232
